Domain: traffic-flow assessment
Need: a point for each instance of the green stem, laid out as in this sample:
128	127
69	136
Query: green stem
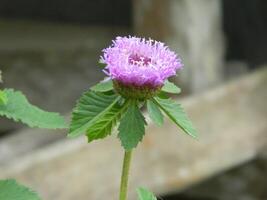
125	174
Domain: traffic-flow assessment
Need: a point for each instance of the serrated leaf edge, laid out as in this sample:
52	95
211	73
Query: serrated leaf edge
19	186
150	102
27	123
174	120
116	118
86	126
143	118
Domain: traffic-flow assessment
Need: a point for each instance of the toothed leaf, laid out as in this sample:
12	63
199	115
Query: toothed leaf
132	127
176	113
103	126
19	109
154	113
90	109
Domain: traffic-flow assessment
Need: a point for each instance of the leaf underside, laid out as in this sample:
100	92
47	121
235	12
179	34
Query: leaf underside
18	108
132	127
170	87
176	113
11	190
90	109
154	113
144	194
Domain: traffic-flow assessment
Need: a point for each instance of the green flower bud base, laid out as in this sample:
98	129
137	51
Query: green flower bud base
135	92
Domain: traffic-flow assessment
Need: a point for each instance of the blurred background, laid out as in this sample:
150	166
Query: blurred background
50	51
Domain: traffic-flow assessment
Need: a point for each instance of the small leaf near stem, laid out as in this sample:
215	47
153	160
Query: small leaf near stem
144	194
103	86
176	113
170	87
154	113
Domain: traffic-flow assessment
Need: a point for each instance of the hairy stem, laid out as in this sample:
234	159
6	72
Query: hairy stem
125	174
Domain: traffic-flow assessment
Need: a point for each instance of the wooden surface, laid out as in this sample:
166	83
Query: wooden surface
231	121
193	29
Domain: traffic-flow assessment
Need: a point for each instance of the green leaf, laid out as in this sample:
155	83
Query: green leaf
19	109
3	97
103	86
163	95
90	109
170	87
11	190
176	113
144	194
132	127
103	126
154	113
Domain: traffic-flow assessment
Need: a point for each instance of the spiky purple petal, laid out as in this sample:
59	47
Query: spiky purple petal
136	61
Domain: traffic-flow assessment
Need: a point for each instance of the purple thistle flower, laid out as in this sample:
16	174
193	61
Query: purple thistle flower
138	62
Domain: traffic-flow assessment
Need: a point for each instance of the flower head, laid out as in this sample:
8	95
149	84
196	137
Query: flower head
140	63
139	67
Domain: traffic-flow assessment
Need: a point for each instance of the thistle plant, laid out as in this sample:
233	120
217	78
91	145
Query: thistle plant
137	73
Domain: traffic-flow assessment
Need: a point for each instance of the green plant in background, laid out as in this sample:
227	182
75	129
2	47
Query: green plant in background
11	190
14	105
138	72
144	194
